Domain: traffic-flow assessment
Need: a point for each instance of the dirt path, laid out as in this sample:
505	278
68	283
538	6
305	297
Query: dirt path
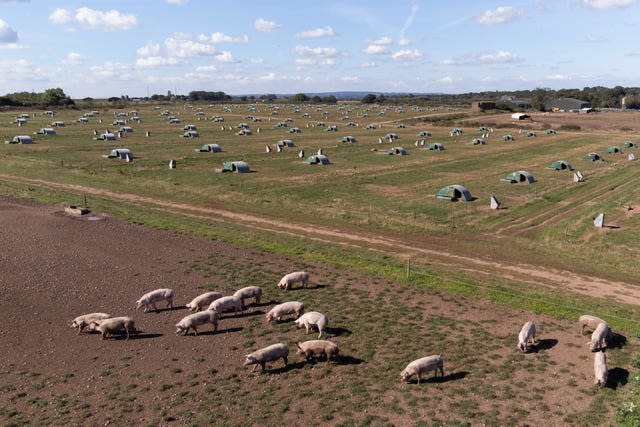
527	274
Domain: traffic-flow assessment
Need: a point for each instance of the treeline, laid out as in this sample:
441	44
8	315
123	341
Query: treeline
598	96
49	98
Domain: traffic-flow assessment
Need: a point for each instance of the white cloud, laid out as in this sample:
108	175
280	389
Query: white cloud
7	35
206	69
446	80
150	49
225	56
265	26
9	65
156	61
559	77
110	70
501	15
316	51
375	49
305	62
177	2
605	4
404	42
268	78
350	79
256	61
382	41
318	32
500	57
407	55
378	46
409	21
73	58
590	38
175	50
61	16
301	64
368	65
222	38
448	62
12	46
95	19
178	46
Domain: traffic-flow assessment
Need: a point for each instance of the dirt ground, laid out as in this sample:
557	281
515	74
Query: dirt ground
55	267
606	121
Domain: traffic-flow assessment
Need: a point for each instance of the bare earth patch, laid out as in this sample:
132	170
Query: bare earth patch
56	267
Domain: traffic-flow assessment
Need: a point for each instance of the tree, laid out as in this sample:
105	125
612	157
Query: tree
56	96
299	98
368	99
539	99
330	99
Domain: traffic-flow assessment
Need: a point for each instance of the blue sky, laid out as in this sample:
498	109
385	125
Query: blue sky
122	47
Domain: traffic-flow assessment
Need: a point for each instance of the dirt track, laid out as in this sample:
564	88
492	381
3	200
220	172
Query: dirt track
475	266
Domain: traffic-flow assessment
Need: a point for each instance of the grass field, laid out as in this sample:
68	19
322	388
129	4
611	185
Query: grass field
362	189
381	207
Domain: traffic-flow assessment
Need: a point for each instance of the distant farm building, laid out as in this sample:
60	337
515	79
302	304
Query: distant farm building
454	192
520	116
480	106
567	104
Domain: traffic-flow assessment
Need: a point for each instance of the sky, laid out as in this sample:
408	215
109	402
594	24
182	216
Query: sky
138	48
